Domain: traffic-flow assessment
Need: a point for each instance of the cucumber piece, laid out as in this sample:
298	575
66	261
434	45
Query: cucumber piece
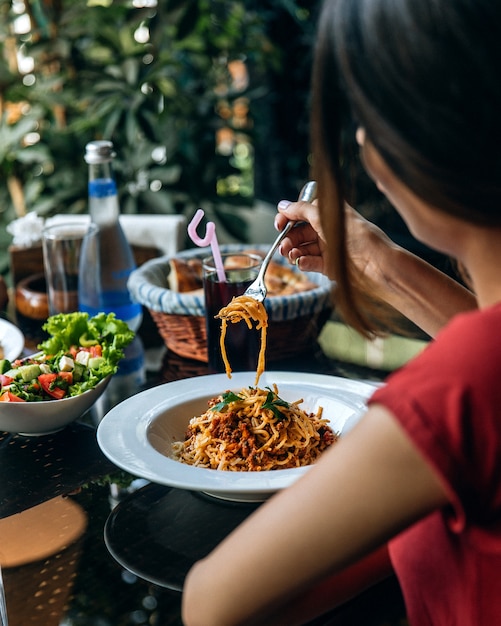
78	371
5	366
95	362
28	372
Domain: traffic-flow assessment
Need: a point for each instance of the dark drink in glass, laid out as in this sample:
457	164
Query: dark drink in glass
242	344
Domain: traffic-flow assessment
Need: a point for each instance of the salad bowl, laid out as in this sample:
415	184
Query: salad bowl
44	418
44	392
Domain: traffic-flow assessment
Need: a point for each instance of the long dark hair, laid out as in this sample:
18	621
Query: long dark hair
423	79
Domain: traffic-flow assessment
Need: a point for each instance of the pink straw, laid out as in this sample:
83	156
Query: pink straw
210	238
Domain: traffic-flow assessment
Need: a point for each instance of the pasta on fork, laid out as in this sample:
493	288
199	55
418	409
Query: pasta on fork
247	309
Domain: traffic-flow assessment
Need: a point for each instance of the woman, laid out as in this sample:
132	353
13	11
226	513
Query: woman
421	469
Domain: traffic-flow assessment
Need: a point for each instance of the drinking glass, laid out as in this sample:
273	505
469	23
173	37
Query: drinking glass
242	343
62	246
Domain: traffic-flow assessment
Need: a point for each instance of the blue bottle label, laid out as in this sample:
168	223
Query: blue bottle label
102	188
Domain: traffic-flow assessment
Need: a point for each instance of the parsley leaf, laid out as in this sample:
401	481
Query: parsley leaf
228	397
272	403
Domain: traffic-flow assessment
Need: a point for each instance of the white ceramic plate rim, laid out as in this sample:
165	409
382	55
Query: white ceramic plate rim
123	432
11	340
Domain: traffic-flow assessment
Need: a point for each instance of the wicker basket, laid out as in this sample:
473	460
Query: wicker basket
294	321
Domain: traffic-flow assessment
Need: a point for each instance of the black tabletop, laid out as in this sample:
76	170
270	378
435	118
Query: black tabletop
36	469
117	549
159	532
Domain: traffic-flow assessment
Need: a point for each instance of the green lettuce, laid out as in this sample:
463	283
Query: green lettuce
77	329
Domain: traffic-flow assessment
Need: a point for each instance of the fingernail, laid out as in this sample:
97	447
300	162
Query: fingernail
283	204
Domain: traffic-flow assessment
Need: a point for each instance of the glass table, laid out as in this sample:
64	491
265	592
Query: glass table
84	543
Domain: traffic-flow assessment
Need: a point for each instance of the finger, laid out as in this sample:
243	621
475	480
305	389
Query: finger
310	263
298	212
291	243
302	234
310	249
280	221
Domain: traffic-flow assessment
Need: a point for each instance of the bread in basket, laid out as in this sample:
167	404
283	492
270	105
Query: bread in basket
295	319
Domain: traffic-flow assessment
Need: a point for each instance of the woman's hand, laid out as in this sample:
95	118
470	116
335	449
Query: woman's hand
305	243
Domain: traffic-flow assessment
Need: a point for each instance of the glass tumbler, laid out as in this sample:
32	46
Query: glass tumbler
62	247
242	343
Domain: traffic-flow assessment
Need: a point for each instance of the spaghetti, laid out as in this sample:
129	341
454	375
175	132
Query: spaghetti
244	308
254	430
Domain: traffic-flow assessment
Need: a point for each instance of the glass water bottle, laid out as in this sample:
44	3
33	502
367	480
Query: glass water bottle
104	271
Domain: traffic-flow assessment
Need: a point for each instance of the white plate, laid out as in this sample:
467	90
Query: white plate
11	340
137	434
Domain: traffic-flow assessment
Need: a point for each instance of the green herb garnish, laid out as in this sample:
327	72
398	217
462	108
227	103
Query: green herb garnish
228	397
272	403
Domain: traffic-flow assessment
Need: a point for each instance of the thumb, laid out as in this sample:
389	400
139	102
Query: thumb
291	210
298	211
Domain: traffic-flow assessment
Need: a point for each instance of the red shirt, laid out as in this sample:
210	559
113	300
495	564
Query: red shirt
448	400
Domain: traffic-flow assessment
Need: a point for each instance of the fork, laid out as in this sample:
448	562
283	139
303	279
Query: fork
257	290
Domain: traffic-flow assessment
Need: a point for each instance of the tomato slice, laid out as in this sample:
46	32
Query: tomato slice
96	351
7	396
48	383
5	380
66	376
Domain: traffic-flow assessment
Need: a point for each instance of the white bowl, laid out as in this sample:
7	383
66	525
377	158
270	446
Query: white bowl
11	340
138	433
48	416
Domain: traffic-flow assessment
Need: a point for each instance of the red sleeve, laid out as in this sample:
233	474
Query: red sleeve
448	399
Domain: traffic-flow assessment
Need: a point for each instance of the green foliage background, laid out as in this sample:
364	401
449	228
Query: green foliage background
157	100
